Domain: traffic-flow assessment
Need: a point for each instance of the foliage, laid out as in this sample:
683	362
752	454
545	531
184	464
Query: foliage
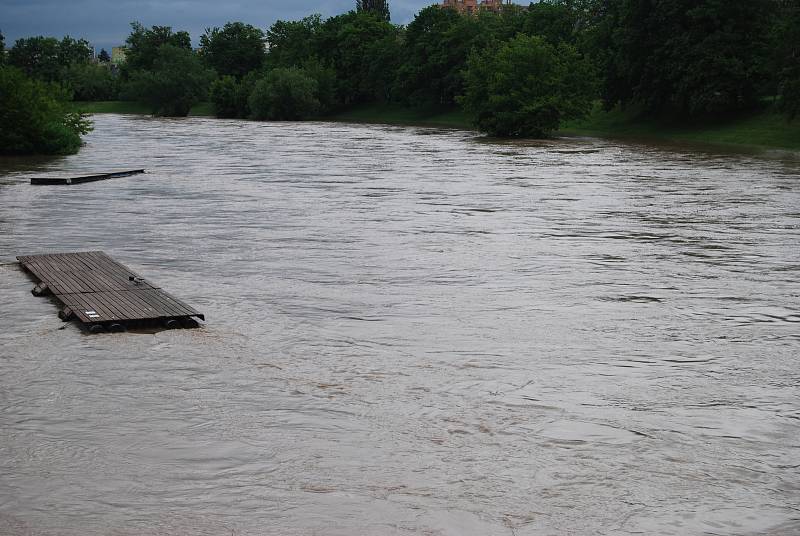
234	50
34	117
379	8
325	78
284	95
176	82
103	57
89	82
229	98
787	68
292	42
144	45
527	87
434	55
2	48
363	51
685	57
46	58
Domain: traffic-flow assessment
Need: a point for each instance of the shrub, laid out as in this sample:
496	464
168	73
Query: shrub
34	117
284	95
177	82
229	97
526	87
89	82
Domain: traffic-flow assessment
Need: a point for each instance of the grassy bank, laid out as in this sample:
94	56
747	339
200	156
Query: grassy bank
765	130
392	114
203	109
760	130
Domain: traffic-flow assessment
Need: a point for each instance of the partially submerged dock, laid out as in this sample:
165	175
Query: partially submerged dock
84	178
103	294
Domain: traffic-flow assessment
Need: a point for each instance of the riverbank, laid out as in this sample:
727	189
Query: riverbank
392	114
203	109
757	130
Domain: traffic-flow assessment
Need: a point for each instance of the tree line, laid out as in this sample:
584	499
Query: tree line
520	71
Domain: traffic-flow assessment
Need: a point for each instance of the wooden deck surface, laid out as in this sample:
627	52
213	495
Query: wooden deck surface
99	291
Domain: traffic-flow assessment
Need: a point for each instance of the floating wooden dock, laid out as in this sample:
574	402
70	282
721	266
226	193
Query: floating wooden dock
85	178
105	295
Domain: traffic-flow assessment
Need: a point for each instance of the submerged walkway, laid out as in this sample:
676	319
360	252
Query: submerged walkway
104	294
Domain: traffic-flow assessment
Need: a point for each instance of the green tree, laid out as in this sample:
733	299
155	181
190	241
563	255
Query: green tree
379	8
284	95
103	57
434	56
74	51
554	20
684	57
787	57
526	87
234	50
46	58
38	57
363	51
2	48
229	97
177	81
89	82
144	45
293	42
34	117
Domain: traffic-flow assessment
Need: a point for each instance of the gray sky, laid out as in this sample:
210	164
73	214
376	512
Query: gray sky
107	23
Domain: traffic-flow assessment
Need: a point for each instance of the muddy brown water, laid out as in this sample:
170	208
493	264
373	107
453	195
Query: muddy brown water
410	331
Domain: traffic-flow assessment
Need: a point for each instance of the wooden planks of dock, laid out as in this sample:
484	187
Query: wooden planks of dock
84	178
103	294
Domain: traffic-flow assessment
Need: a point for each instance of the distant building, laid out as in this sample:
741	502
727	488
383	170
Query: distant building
118	55
471	7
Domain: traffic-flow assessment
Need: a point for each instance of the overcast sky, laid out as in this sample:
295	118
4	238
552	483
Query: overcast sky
107	23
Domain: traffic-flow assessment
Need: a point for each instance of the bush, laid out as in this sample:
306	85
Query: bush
34	117
177	82
229	98
284	95
89	82
527	87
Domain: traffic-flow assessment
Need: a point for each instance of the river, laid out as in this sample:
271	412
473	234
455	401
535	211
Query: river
411	331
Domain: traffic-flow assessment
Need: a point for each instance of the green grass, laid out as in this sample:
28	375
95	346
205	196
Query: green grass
203	109
392	114
764	129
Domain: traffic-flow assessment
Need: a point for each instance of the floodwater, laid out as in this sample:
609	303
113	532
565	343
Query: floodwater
410	331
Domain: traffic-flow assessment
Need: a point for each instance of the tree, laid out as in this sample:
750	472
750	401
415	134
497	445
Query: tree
379	8
89	82
434	55
787	63
74	51
684	57
2	48
103	57
234	50
293	42
363	51
46	58
229	97
144	45
38	57
177	81
284	95
34	117
526	87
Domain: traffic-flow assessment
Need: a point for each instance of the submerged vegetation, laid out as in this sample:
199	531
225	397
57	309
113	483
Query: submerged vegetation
517	71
